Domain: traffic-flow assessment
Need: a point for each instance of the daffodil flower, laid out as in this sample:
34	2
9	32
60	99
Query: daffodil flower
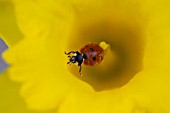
133	76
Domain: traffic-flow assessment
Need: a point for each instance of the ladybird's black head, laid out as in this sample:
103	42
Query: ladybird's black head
73	59
77	57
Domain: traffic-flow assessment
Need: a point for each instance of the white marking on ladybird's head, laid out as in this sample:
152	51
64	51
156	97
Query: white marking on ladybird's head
75	54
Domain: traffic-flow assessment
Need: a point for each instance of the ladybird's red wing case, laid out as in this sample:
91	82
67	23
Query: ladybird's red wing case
94	54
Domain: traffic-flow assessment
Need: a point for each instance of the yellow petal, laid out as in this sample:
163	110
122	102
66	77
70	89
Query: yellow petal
42	87
9	30
35	17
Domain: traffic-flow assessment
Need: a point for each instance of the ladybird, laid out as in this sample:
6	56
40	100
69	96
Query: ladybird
91	54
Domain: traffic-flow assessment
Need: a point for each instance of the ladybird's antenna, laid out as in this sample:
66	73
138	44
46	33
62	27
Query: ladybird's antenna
69	52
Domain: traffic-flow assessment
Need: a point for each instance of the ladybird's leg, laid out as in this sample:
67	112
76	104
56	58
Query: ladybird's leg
80	70
68	62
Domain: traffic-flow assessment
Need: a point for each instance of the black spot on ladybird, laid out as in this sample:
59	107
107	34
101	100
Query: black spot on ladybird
94	58
84	56
91	49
